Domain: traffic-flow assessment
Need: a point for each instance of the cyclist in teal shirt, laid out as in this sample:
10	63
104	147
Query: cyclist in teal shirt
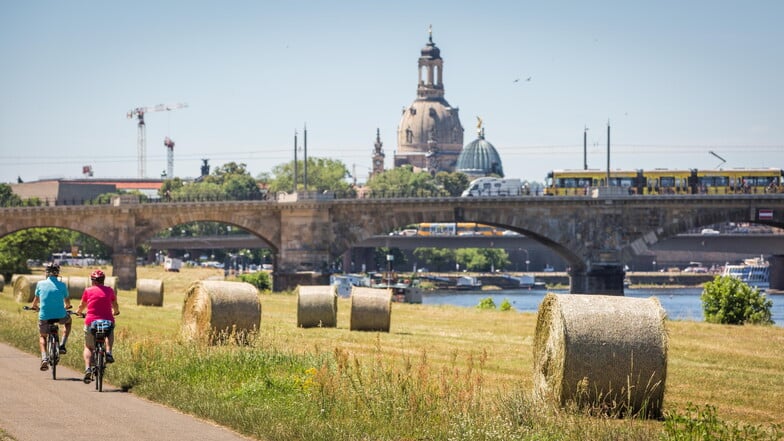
51	300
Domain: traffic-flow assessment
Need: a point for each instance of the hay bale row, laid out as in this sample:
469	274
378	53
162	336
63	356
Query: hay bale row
149	292
216	312
111	282
603	351
317	306
371	309
76	286
24	287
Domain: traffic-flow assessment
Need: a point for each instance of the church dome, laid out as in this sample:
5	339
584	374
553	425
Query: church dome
479	158
430	136
431	51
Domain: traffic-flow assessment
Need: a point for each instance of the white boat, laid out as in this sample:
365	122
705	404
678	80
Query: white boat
468	282
527	281
754	272
344	282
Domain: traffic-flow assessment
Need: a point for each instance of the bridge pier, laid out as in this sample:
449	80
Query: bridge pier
124	268
777	272
607	280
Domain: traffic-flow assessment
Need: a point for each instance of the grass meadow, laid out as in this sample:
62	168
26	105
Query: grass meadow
441	373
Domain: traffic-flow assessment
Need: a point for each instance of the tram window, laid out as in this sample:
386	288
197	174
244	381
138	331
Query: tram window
667	181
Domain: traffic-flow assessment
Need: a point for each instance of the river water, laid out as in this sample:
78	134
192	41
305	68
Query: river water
679	303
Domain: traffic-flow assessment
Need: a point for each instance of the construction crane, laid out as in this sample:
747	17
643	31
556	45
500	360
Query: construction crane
141	139
169	144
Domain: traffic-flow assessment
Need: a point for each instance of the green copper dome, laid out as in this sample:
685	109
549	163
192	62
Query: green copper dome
480	158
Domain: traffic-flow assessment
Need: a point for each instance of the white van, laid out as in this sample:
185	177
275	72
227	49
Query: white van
488	186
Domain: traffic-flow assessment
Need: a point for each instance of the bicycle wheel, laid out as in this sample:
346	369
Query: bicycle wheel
54	355
99	366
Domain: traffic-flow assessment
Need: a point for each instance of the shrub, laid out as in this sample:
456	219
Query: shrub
728	300
505	305
260	280
486	303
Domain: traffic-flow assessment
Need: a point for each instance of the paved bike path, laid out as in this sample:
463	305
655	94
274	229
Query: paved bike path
34	407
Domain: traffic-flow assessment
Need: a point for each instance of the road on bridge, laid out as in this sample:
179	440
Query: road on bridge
34	407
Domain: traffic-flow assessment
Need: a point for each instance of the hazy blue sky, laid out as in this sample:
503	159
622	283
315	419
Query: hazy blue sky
676	80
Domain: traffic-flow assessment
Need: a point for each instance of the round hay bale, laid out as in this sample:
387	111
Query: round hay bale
216	311
2	283
606	352
76	286
371	309
111	281
317	306
149	292
24	288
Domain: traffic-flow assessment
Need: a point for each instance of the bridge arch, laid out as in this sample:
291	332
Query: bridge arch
594	234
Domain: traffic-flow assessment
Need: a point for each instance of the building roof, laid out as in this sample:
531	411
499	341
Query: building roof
480	158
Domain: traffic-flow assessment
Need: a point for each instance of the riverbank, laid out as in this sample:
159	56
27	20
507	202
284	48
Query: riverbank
560	280
439	373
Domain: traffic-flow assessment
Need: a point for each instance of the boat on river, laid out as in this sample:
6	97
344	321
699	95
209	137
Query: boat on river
345	282
468	282
753	272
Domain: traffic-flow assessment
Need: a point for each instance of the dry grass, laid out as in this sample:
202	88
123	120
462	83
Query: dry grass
738	369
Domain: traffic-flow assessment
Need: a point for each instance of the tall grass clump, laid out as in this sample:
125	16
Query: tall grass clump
703	423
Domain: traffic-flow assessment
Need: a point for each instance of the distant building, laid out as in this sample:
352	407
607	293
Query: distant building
479	158
429	136
77	191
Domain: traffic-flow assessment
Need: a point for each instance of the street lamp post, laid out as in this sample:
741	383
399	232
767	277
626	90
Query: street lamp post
390	258
527	259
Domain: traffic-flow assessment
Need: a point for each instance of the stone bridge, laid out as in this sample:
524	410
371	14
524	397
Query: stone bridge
595	235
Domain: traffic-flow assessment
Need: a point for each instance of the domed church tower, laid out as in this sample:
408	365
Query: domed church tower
479	157
429	136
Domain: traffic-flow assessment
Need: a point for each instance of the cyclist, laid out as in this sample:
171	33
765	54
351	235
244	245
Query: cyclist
51	301
100	303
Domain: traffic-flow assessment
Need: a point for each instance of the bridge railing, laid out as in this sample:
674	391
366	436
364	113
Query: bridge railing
350	194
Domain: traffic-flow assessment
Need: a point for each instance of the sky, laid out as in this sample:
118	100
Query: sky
674	80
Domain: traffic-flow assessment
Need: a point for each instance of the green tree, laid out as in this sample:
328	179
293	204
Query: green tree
728	300
7	197
472	259
221	174
405	181
10	199
34	243
241	187
323	175
200	191
169	187
437	259
399	259
482	259
453	183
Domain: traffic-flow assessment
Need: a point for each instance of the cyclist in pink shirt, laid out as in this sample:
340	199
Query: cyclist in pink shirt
100	303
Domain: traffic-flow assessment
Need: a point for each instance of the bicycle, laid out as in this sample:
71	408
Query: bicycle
52	341
100	329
